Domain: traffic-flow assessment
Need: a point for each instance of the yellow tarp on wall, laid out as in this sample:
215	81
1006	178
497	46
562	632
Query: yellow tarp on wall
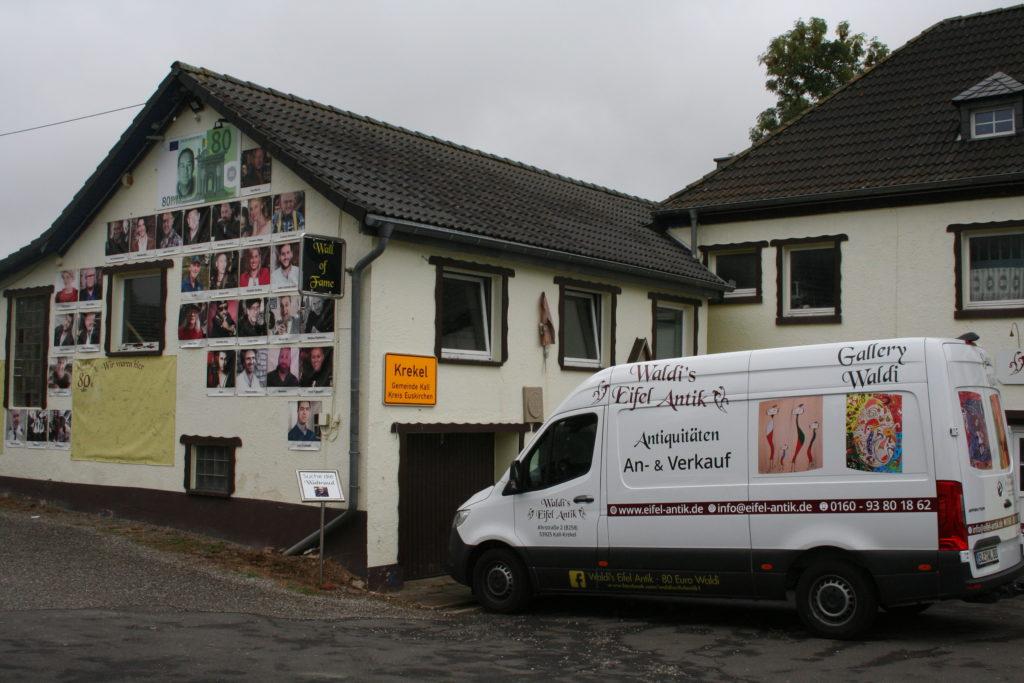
124	410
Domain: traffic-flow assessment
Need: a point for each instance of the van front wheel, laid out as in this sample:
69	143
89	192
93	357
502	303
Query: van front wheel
836	600
500	581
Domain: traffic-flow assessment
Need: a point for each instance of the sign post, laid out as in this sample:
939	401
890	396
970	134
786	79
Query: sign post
320	486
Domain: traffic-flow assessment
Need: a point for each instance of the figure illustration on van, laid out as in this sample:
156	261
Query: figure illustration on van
874	432
788	438
769	434
974	421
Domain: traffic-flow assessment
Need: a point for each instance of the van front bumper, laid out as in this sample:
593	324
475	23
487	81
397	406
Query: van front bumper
459	555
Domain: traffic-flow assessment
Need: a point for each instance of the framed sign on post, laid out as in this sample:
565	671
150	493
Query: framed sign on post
323	266
320	486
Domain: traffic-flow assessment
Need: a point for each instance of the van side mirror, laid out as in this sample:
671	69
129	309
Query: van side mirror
515	479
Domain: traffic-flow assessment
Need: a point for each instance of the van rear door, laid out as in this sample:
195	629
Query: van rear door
983	453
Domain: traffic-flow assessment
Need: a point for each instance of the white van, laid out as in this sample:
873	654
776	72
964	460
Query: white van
859	475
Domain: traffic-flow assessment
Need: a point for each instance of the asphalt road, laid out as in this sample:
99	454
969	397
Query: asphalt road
77	604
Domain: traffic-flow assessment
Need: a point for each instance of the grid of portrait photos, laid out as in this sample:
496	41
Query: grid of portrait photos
77	317
38	428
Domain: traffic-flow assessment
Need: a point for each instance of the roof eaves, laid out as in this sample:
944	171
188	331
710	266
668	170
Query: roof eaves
867	193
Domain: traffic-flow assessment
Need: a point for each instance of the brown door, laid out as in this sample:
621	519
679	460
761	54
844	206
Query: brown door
436	473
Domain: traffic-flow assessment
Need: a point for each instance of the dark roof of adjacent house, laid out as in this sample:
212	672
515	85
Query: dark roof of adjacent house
892	134
436	189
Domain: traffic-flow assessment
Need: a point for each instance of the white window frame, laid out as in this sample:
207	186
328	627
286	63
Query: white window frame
682	314
1008	108
787	310
968	275
486	289
116	343
596	304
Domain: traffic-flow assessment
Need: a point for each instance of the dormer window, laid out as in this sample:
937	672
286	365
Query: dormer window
991	108
992	122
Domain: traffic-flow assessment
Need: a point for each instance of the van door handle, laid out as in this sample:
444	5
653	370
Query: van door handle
584	498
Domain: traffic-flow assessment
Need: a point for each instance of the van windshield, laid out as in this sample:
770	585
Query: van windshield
987	444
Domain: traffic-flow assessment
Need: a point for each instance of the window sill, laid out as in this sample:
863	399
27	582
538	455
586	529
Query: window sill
810	320
470	361
725	301
209	494
582	368
988	313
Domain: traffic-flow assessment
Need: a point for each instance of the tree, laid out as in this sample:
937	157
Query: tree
804	66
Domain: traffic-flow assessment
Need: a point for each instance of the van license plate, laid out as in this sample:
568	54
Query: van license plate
986	557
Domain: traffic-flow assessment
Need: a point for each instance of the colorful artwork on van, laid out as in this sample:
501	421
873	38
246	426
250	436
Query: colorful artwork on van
1004	447
874	432
789	438
978	449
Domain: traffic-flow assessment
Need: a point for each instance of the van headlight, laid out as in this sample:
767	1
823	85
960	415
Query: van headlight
460	517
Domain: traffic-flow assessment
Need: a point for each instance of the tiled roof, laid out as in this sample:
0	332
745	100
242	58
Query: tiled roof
994	86
893	130
372	167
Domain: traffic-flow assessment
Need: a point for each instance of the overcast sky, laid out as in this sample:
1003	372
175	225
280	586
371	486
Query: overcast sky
635	95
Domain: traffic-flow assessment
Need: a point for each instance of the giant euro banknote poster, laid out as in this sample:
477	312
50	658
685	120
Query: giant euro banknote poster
200	168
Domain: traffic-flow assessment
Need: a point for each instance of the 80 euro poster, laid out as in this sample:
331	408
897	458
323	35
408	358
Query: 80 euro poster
200	168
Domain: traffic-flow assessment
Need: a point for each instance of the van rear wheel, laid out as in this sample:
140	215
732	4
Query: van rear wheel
836	600
500	581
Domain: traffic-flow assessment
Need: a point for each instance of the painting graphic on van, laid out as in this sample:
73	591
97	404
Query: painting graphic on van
1004	448
874	432
978	448
789	438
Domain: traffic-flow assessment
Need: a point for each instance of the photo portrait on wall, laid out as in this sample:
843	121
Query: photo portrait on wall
38	428
285	275
116	247
302	433
196	233
222	325
226	227
60	429
283	371
14	428
220	372
88	331
251	379
223	271
317	318
195	275
192	319
58	378
317	377
66	290
284	320
65	334
289	216
256	171
90	287
143	235
254	267
256	225
252	324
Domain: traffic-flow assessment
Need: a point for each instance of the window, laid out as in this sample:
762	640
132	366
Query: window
471	312
989	269
808	280
740	266
582	327
675	325
565	451
210	464
586	330
992	122
136	308
28	314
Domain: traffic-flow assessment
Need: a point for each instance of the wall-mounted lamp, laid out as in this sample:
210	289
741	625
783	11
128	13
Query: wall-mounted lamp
195	104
